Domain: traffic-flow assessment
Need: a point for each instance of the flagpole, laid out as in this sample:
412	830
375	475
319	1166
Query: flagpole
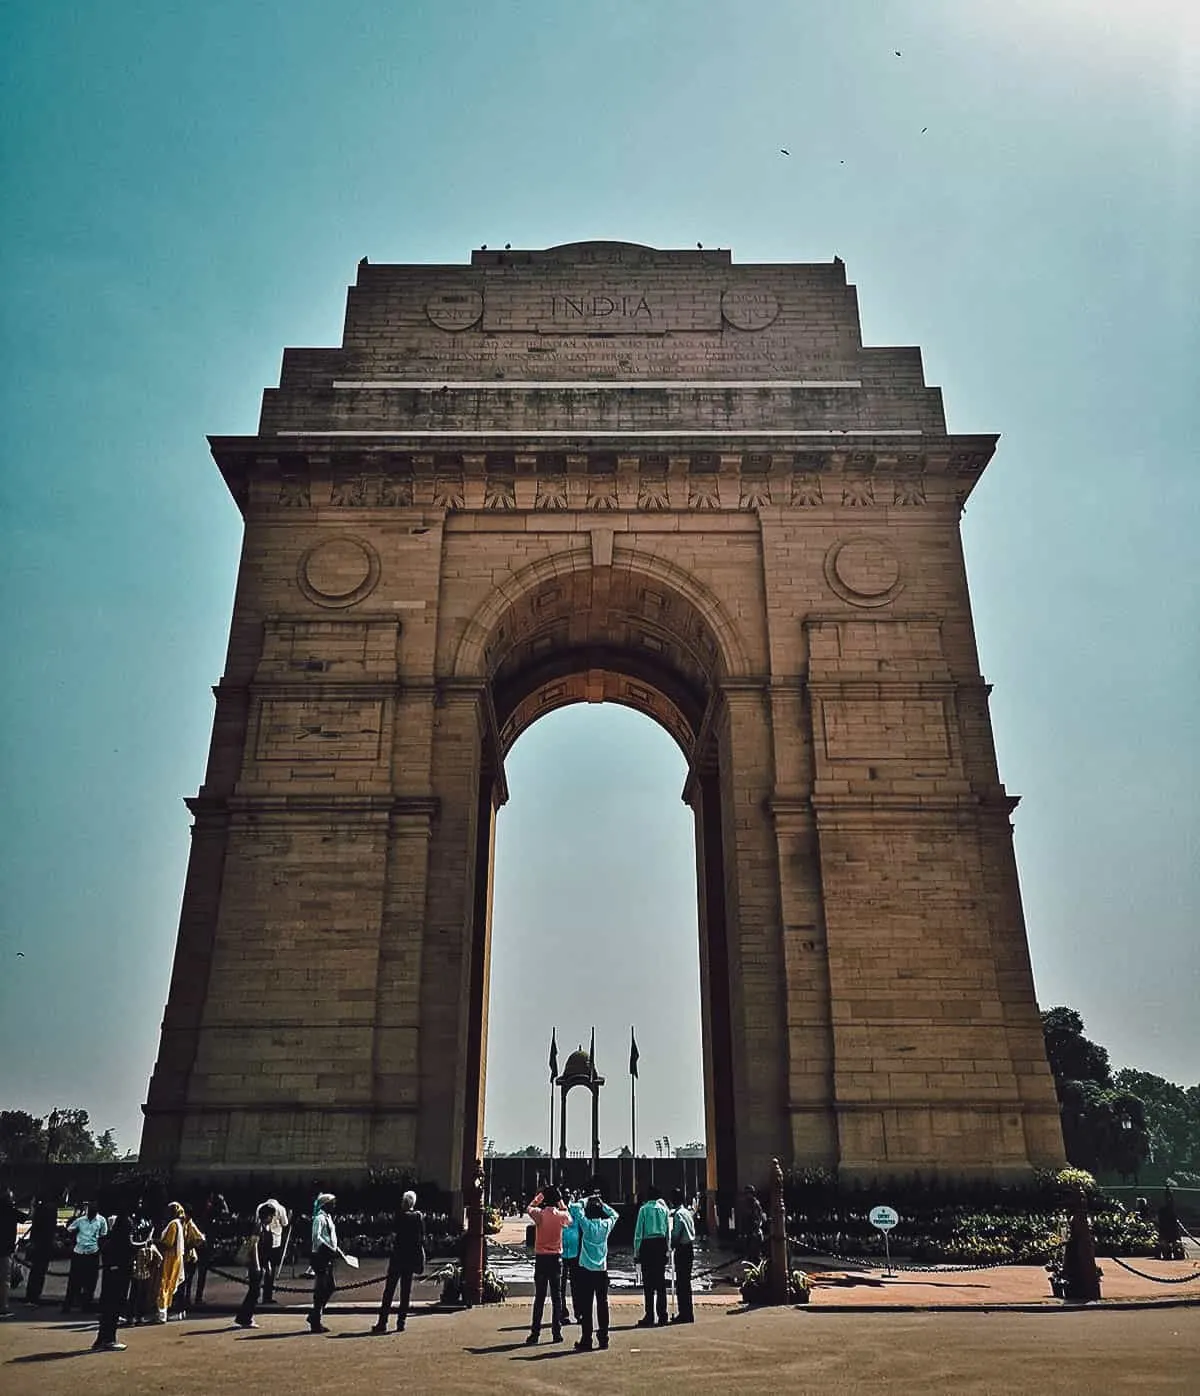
633	1110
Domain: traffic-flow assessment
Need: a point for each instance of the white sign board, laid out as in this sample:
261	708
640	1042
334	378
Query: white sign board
884	1218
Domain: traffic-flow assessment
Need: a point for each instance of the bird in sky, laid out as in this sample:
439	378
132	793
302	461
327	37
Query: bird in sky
924	129
20	954
784	152
507	246
700	244
896	52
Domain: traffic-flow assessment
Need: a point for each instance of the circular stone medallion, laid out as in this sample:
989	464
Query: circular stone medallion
454	310
749	310
864	571
339	571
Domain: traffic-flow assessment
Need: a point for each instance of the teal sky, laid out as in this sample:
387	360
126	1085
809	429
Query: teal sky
187	189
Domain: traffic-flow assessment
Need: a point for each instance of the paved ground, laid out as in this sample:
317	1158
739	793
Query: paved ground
817	1350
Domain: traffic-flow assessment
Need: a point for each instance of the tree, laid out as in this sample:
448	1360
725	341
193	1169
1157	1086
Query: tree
22	1137
1072	1056
1172	1118
1104	1125
529	1151
63	1136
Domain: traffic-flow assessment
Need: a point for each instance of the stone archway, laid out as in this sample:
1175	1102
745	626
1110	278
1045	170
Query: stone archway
642	634
647	476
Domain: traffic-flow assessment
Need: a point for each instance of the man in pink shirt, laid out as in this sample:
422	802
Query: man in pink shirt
550	1220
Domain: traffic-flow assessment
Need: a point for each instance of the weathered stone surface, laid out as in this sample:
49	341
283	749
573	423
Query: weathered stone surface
603	473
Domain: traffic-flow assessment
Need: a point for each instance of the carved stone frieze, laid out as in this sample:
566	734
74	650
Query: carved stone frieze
500	492
551	492
703	492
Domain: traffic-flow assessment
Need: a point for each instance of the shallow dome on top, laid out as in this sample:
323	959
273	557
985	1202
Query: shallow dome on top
600	242
578	1064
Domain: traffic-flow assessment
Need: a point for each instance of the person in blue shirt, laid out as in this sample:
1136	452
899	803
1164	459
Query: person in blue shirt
650	1252
596	1222
569	1280
683	1244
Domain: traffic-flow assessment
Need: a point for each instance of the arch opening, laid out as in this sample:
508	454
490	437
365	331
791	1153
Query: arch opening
614	635
594	885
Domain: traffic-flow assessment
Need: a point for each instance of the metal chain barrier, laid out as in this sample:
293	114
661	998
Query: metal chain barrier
1158	1279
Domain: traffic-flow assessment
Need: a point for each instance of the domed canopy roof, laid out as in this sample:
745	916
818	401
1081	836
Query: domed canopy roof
578	1065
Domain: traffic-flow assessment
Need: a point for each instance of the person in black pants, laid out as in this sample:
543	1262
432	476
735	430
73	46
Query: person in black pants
407	1260
595	1225
683	1244
325	1251
261	1243
116	1268
650	1239
40	1248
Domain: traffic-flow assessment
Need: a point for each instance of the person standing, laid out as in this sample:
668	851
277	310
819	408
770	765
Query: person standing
650	1252
325	1251
10	1217
550	1219
88	1230
595	1225
569	1279
683	1247
258	1257
407	1259
280	1221
214	1216
116	1271
39	1250
172	1244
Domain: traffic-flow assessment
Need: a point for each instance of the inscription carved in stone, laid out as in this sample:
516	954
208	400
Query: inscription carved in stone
454	310
749	310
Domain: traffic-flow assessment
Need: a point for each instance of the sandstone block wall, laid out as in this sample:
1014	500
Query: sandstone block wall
603	473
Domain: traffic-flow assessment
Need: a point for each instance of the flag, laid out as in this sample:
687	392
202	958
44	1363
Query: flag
633	1055
592	1058
553	1054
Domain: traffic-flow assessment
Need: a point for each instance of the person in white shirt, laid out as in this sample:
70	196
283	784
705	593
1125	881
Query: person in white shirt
279	1224
88	1229
325	1250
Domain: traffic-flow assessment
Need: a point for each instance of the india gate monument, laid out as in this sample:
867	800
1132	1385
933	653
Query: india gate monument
603	473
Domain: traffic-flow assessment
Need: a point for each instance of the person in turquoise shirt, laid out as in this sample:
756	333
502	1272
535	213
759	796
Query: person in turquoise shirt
650	1252
570	1266
683	1244
596	1221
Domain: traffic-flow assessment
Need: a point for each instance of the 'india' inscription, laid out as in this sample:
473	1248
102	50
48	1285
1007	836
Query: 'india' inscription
590	306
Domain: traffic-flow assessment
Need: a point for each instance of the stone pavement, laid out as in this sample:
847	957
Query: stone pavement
816	1349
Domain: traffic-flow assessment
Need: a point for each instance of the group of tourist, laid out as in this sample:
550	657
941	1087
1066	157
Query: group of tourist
148	1269
571	1261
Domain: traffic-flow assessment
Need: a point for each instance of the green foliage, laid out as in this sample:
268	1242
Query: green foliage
1172	1116
944	1222
22	1137
1072	1056
494	1289
492	1220
62	1136
756	1282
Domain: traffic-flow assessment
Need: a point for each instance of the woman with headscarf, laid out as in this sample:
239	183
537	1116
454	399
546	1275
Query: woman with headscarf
325	1250
172	1244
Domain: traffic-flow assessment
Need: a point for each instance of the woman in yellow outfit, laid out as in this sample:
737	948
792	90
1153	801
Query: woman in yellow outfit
173	1245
